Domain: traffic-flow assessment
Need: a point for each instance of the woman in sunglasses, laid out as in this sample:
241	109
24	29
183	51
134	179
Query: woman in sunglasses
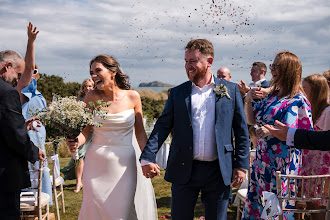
286	103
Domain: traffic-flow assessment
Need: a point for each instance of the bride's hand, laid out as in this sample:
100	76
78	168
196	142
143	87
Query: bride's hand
72	145
151	170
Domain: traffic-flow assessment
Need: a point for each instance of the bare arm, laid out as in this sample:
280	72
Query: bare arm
29	60
140	133
250	117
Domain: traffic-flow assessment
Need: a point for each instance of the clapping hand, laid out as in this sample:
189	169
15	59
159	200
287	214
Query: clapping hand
243	87
262	132
151	170
279	131
257	93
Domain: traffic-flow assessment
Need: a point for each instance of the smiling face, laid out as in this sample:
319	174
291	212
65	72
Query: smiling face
255	73
11	73
197	66
88	86
101	76
275	70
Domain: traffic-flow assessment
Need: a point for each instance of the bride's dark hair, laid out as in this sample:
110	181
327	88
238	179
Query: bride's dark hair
109	62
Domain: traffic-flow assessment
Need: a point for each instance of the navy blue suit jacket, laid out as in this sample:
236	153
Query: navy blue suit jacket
176	118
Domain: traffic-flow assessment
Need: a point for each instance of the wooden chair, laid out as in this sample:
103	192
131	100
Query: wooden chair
242	192
321	184
57	182
31	205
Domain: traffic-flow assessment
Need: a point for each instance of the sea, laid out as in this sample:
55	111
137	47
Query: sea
155	89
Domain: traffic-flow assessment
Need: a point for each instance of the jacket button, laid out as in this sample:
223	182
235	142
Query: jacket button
182	164
190	148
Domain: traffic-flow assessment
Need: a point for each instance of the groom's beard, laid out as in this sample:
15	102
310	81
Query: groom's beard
199	75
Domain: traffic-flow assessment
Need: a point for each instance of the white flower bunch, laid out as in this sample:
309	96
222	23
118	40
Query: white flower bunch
71	116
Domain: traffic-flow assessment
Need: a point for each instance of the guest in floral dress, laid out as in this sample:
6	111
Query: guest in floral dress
287	104
316	162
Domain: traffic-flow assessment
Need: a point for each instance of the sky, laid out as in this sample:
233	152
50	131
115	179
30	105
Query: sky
148	37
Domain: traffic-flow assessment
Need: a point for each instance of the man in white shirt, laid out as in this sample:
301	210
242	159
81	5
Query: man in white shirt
201	115
258	72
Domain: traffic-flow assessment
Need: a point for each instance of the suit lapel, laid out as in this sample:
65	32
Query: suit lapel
218	101
187	98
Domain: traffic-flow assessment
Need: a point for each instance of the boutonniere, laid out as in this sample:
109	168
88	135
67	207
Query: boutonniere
221	91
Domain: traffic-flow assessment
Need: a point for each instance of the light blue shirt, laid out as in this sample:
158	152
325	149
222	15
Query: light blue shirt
36	102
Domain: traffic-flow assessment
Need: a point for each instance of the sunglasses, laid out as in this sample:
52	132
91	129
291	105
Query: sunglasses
274	66
35	71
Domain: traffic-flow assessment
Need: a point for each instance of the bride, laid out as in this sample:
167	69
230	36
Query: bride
114	186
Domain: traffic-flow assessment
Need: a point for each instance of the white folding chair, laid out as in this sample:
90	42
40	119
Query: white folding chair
320	185
57	181
32	200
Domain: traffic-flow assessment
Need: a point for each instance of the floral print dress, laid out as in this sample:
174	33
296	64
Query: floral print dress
272	154
317	162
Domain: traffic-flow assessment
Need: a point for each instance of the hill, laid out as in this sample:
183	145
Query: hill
155	84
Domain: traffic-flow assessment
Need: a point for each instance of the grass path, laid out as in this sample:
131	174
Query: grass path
162	192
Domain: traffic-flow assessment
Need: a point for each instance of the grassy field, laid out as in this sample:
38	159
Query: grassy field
162	192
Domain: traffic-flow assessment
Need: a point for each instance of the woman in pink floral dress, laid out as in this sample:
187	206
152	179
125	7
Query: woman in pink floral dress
317	162
287	104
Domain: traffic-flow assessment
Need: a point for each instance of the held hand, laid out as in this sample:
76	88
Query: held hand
32	124
32	32
262	132
280	131
151	170
72	144
41	155
238	177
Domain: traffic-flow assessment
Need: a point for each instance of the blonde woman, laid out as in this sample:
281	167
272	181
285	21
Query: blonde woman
317	162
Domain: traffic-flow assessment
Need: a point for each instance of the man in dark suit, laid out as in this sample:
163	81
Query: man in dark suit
300	138
201	114
15	146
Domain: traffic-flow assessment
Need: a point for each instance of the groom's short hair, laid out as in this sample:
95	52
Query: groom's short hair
204	46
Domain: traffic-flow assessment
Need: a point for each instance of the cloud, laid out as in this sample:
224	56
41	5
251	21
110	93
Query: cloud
147	37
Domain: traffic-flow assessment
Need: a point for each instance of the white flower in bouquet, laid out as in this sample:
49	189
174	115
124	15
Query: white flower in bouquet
70	116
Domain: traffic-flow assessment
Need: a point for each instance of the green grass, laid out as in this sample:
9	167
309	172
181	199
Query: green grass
162	191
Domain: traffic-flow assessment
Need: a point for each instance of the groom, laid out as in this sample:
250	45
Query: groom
201	115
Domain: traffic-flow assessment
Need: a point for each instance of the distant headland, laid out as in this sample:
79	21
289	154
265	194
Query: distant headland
155	84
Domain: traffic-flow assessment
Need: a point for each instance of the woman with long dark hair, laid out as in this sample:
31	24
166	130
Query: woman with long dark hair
114	186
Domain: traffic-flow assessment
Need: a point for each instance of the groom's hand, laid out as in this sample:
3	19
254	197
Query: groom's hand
238	177
151	170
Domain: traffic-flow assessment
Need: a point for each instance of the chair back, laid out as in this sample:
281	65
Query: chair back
296	184
36	188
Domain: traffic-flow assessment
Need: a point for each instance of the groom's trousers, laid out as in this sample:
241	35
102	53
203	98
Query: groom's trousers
205	178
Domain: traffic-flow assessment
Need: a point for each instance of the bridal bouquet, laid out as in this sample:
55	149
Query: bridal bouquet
70	117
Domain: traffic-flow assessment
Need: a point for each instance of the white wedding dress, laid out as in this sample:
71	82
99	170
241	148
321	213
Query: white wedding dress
114	186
